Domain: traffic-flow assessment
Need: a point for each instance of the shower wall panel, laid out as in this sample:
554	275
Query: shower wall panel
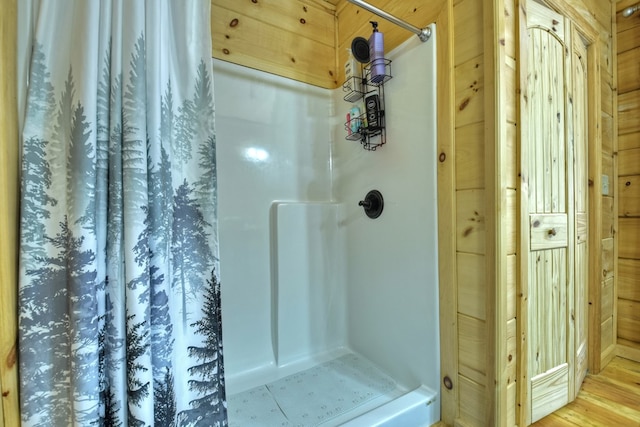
273	144
392	261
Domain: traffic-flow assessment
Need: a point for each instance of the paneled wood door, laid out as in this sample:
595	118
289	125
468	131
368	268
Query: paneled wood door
557	211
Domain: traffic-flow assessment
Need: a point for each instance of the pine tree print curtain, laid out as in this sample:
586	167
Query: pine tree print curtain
119	301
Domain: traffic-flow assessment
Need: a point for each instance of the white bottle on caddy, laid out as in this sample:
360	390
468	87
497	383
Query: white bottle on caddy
353	78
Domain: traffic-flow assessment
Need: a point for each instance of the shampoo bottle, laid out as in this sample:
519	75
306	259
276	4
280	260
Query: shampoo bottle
353	78
376	54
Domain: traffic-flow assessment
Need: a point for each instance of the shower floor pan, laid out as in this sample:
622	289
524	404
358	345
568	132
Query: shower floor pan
346	391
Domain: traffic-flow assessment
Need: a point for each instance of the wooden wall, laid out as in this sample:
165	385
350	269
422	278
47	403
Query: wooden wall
603	320
294	39
628	181
305	40
9	415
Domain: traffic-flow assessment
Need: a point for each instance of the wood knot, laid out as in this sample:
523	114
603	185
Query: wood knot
442	157
234	22
628	183
464	104
5	393
225	51
447	383
303	21
254	1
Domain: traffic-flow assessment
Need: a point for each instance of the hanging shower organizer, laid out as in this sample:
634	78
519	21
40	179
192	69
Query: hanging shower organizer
368	127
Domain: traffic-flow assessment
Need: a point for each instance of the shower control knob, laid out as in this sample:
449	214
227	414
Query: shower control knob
373	204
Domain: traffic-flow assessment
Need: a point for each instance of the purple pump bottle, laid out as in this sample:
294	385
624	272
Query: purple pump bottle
376	54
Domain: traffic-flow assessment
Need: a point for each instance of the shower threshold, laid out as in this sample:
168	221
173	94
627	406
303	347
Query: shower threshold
329	394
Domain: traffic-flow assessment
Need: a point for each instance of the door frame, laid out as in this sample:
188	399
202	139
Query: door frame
586	28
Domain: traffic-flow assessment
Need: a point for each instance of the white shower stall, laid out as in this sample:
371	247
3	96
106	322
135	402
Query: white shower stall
329	317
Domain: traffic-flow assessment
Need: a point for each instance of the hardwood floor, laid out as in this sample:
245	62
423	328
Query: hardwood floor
611	398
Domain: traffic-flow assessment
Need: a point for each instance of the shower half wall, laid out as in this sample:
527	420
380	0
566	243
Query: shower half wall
309	283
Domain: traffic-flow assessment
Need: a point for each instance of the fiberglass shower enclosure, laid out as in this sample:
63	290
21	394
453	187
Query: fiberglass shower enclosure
310	285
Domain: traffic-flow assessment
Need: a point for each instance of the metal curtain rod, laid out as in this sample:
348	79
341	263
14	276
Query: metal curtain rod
423	33
631	10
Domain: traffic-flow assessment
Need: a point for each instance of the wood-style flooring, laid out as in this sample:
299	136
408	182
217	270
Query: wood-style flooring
609	399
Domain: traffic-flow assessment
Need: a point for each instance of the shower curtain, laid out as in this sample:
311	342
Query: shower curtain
119	300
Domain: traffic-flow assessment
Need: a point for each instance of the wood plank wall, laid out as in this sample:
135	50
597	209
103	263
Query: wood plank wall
471	219
605	22
628	181
9	412
294	39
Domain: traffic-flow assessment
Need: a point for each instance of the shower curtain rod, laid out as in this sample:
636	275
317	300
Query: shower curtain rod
423	33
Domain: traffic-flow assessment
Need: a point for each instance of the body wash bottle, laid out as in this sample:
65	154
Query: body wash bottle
353	78
376	54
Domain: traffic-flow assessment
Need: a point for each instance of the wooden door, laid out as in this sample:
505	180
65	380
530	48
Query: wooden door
557	212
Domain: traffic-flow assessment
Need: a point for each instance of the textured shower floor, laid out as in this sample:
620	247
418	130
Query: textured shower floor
321	395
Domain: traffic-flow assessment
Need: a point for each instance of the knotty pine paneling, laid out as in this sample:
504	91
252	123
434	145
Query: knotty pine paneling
470	92
629	141
607	133
470	218
629	67
471	285
606	333
473	408
606	302
628	238
470	157
512	349
608	217
472	349
629	279
468	31
606	94
292	39
9	191
628	108
629	161
511	175
629	320
511	286
629	196
627	40
625	24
